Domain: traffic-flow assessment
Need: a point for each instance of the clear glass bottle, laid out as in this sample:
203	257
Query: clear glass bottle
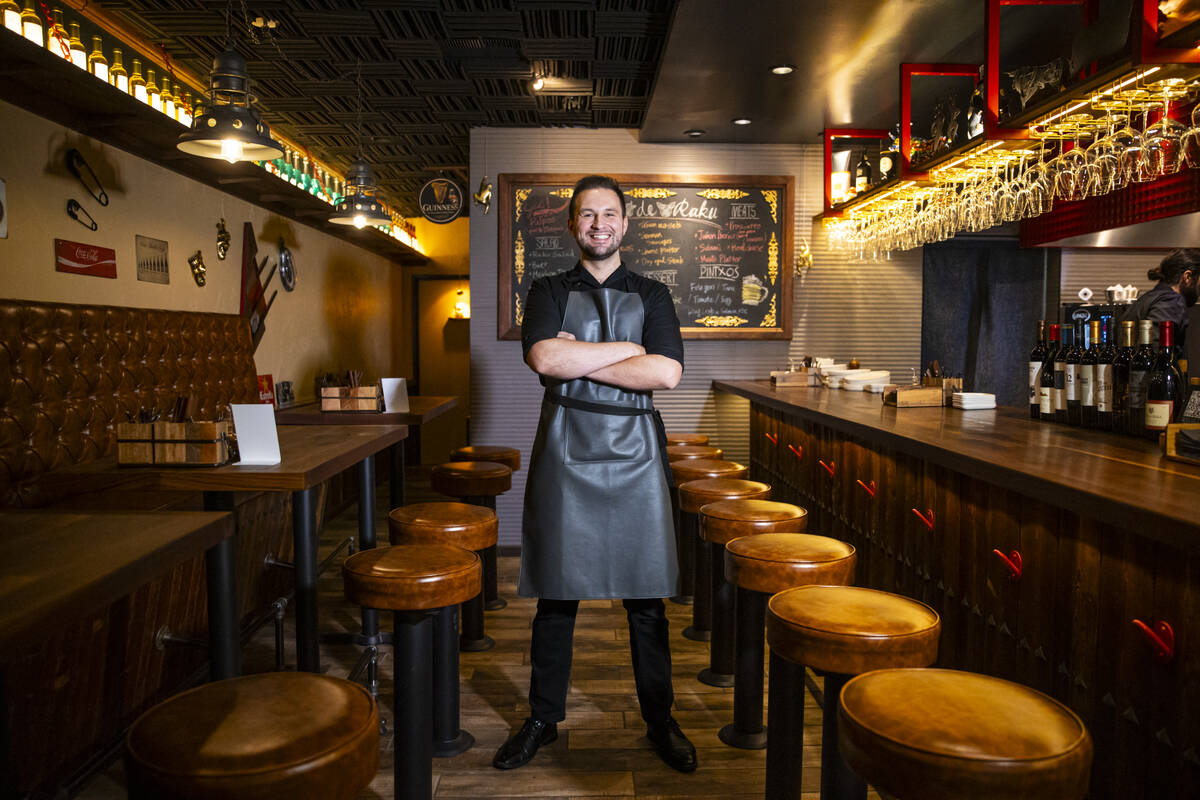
75	46
137	84
97	64
12	15
153	94
56	37
31	24
183	109
117	75
168	99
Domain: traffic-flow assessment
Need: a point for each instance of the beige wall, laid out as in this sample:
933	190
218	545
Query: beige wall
343	313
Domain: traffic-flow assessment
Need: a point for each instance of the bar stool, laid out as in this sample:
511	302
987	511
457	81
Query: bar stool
419	582
682	452
760	566
721	522
695	557
477	483
471	528
508	456
840	631
277	734
686	438
940	734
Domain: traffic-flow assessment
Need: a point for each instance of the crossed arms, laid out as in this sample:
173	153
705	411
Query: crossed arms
623	364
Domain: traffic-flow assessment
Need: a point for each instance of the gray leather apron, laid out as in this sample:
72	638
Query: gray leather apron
597	521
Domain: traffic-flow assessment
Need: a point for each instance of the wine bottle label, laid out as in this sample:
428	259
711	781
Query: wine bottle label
1060	387
1159	414
1072	382
1045	402
1137	388
1085	376
1035	376
1104	387
860	184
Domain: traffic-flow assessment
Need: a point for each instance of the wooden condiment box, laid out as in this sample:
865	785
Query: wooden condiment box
1168	441
201	444
912	396
352	398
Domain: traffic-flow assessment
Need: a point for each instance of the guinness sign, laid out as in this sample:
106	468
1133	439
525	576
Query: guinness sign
441	200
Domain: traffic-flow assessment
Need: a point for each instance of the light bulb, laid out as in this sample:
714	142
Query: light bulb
538	83
231	150
360	221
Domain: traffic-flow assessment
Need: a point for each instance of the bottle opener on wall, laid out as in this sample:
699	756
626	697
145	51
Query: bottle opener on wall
199	270
223	240
78	165
74	210
287	268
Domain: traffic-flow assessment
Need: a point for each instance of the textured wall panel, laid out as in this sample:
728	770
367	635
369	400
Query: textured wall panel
843	307
1098	269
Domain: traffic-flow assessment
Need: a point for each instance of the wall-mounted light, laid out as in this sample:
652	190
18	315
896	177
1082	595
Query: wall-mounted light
229	128
462	306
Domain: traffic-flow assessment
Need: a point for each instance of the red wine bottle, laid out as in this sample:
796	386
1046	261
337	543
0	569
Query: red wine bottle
1104	377
1060	374
1164	386
1046	387
1071	369
1089	357
1036	357
1139	375
1121	362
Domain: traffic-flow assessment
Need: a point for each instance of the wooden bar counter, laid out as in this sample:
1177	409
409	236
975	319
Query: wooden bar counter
1107	531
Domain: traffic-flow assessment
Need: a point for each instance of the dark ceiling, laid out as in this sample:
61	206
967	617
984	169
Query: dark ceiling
433	69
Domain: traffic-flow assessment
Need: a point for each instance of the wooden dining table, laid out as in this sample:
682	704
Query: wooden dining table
309	455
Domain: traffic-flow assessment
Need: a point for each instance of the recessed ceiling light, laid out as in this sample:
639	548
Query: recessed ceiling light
693	132
537	84
740	120
783	69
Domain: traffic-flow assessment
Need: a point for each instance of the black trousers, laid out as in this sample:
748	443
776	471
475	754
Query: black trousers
550	653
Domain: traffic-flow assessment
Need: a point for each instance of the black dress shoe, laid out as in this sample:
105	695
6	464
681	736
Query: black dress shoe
521	747
672	746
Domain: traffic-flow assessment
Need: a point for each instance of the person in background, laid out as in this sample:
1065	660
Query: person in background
598	521
1175	292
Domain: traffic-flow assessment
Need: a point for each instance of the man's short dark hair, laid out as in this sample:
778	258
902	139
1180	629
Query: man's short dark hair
596	182
1176	262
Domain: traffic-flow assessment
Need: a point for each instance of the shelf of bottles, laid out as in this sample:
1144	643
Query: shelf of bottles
122	67
1128	377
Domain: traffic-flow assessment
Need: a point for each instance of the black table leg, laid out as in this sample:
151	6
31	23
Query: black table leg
224	630
396	474
838	781
304	534
413	705
701	628
721	652
747	731
785	747
448	738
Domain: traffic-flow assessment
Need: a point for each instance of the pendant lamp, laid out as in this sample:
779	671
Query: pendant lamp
229	128
360	207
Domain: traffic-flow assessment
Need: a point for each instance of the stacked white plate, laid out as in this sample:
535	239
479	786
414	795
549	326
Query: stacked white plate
857	383
971	401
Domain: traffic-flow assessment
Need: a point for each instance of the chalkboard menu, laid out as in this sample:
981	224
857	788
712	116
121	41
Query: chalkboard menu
722	245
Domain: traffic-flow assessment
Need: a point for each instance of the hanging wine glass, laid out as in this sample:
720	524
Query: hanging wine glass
1161	141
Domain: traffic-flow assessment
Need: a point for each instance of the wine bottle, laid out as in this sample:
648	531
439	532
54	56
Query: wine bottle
137	84
168	99
31	24
12	15
1060	374
1120	370
153	93
75	47
862	174
1103	377
1139	374
1071	370
117	74
1164	386
1089	357
97	63
56	36
1036	356
1046	386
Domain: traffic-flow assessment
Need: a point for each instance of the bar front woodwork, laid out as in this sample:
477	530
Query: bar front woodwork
1106	529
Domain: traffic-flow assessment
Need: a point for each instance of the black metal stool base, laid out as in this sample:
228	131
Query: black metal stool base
460	744
710	678
495	604
696	635
743	741
683	600
381	639
476	645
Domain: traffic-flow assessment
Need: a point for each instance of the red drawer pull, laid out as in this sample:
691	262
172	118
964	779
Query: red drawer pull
928	520
774	439
828	467
1161	638
799	451
1013	562
870	489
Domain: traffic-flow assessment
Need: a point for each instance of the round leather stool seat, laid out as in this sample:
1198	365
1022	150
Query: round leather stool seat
508	456
694	469
471	478
772	562
682	452
278	734
412	577
724	520
696	494
460	524
939	734
851	629
686	438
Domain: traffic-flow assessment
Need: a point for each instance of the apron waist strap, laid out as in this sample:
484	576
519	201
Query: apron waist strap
598	408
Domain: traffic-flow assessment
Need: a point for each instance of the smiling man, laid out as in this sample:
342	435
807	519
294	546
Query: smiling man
597	522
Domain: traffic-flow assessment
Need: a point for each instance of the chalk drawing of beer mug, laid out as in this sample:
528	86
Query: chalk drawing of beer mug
753	290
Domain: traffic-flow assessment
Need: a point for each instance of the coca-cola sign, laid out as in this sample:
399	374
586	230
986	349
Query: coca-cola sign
84	259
